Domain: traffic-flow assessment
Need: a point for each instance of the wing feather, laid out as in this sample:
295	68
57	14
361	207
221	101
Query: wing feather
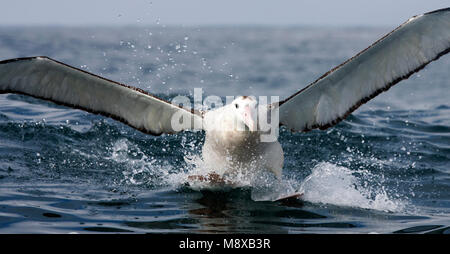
393	58
45	78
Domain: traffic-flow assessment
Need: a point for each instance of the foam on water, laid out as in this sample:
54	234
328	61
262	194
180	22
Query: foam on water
327	184
337	185
139	168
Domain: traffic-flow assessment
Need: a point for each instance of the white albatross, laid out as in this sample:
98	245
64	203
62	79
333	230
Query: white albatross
322	104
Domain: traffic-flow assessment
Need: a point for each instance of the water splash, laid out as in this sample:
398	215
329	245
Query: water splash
327	183
337	185
139	169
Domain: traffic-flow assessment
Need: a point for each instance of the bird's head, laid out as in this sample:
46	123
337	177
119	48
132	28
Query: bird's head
246	111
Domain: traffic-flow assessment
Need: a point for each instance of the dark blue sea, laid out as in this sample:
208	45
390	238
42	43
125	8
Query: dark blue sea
384	169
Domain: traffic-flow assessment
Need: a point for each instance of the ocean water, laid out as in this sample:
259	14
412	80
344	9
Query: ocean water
384	169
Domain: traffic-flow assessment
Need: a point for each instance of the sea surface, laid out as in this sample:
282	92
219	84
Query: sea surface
384	169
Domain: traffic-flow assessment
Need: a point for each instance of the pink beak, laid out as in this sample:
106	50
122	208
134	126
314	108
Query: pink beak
250	118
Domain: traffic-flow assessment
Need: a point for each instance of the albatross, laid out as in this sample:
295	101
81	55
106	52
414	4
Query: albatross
233	136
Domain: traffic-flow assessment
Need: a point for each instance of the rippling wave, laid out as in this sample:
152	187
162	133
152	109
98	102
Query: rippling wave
383	169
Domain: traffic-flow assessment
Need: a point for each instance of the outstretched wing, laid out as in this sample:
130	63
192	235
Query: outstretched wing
396	56
45	78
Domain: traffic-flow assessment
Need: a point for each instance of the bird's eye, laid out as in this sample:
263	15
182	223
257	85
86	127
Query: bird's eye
236	105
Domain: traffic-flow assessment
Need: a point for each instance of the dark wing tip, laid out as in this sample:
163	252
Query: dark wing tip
439	10
20	59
